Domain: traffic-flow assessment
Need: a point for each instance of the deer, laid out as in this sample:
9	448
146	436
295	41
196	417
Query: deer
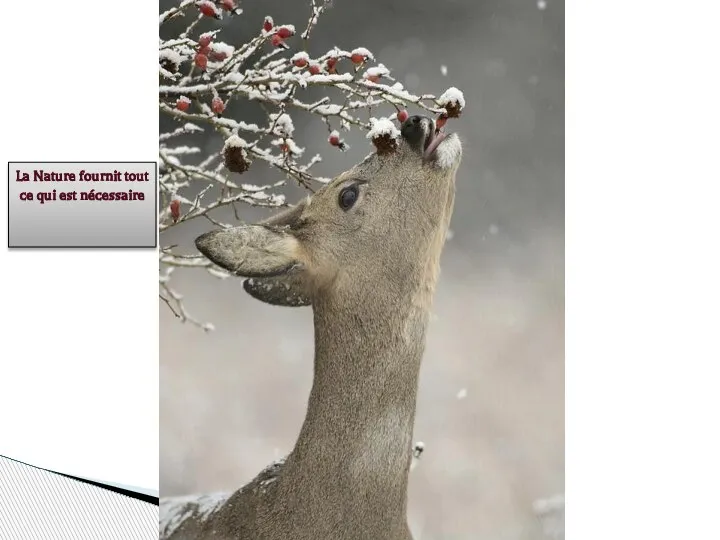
364	252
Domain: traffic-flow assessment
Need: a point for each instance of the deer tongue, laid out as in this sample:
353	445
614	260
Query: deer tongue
434	141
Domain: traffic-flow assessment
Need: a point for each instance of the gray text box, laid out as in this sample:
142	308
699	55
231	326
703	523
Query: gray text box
79	204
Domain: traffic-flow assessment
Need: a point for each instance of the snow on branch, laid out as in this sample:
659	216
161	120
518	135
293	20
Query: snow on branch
200	78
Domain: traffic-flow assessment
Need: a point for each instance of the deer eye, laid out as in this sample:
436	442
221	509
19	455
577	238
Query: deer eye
348	197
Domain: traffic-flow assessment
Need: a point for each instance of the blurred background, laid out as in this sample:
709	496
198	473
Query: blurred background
491	397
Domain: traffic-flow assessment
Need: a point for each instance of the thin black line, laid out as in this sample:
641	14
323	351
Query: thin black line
129	493
60	161
45	248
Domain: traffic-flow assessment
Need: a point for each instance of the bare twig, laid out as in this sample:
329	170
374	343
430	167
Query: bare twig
201	80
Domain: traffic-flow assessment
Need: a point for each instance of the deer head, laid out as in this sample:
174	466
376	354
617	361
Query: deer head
376	223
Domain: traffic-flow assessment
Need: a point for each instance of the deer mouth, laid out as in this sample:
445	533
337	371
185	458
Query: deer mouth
426	137
442	149
434	139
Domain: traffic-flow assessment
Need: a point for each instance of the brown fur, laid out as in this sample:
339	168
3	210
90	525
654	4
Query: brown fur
370	273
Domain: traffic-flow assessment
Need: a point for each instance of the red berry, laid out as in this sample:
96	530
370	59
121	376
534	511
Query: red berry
402	116
300	62
284	148
217	105
201	60
373	78
204	50
278	41
183	104
331	64
268	24
208	9
205	40
360	55
334	139
285	32
228	5
217	56
175	210
440	122
314	69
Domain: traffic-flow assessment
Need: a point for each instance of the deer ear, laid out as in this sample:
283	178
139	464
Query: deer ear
252	250
285	290
286	218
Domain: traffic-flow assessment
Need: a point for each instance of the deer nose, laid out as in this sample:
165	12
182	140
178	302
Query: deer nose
415	130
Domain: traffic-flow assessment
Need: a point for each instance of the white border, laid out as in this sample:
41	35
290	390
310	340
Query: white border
642	260
643	268
79	365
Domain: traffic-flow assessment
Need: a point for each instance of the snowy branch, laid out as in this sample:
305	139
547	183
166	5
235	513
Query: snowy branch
201	76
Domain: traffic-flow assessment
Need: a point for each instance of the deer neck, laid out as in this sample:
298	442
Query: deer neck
354	449
357	433
353	453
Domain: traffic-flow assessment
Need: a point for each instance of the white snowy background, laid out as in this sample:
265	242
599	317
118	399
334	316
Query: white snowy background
491	403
